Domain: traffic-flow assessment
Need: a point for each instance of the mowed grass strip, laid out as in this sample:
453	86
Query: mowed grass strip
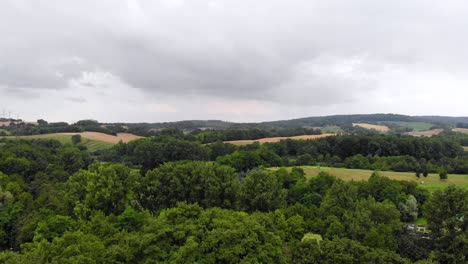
432	182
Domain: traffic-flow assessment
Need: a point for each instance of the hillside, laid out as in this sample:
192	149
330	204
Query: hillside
339	124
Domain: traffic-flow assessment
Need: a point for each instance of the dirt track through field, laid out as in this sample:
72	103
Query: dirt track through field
124	137
277	139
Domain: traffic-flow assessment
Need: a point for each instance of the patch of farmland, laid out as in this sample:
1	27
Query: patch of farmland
3	123
415	126
124	137
426	133
432	182
7	123
461	130
92	145
380	128
277	139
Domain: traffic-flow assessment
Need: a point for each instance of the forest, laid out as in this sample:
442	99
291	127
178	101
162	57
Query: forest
213	130
171	199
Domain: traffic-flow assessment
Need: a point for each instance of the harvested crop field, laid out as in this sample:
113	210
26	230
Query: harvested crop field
427	133
380	128
277	139
461	130
124	137
7	123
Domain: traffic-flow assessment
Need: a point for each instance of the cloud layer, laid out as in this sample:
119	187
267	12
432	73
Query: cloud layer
163	60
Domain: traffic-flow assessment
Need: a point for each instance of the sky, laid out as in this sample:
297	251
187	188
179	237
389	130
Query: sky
234	60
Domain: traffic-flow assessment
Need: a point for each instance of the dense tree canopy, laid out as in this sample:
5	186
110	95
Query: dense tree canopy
167	199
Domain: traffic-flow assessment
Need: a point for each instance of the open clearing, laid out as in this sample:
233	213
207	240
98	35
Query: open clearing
432	182
277	139
380	128
426	133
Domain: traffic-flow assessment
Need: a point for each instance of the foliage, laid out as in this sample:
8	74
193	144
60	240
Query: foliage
205	183
160	200
446	213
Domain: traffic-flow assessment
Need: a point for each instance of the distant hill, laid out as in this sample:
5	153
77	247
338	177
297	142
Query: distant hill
330	124
319	121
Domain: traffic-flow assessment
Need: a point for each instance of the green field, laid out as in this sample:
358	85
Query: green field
432	182
92	145
465	148
416	126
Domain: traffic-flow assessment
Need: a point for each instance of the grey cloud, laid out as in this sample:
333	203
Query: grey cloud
232	49
22	93
77	99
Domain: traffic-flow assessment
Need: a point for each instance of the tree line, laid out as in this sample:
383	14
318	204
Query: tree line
370	151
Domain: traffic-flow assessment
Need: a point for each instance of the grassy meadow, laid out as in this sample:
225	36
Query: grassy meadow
432	182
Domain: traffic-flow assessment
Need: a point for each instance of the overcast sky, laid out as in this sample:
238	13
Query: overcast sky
166	60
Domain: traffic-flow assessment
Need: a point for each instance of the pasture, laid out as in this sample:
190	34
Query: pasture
432	182
380	128
277	139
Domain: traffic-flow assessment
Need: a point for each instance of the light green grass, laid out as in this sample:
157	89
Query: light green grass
421	221
432	182
465	148
92	145
416	126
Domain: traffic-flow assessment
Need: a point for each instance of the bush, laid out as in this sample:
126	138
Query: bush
76	139
443	174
